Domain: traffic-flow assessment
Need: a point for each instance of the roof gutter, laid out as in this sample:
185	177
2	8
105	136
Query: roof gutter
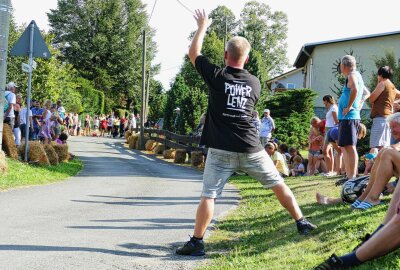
311	66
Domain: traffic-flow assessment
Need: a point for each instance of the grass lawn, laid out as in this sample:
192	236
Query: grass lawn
21	174
260	234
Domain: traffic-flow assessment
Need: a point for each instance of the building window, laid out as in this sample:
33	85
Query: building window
291	86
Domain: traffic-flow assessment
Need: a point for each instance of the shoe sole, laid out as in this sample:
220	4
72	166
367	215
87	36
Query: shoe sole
193	254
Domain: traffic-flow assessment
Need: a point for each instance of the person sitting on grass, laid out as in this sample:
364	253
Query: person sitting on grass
385	239
278	159
298	167
369	160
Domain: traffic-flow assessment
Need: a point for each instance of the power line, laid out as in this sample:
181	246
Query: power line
170	68
155	2
185	7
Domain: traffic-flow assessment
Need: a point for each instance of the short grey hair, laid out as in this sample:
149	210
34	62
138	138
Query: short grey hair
238	47
393	118
348	61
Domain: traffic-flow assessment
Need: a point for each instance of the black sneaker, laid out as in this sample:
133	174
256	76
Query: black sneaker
363	240
193	247
304	227
333	263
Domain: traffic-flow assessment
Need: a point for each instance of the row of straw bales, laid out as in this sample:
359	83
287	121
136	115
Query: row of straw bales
178	155
43	155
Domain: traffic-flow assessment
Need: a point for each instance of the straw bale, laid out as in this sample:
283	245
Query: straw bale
62	151
3	163
138	142
197	158
51	154
132	140
36	153
159	149
8	146
169	154
180	156
150	145
127	134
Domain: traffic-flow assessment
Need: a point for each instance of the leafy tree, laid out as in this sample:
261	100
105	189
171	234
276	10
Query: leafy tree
174	100
219	16
389	59
292	111
267	33
192	105
101	39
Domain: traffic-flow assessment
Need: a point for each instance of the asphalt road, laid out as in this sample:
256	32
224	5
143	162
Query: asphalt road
125	210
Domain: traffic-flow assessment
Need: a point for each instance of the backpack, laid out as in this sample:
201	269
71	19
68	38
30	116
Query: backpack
6	103
352	189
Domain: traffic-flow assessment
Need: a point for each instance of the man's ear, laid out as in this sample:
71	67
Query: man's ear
247	60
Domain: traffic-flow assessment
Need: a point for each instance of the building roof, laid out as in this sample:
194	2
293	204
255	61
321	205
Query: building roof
283	75
308	48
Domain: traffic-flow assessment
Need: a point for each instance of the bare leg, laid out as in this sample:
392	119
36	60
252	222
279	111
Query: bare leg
205	212
287	200
385	171
351	158
393	205
321	199
372	175
328	157
384	241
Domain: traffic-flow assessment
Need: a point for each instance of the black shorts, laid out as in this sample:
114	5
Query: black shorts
348	132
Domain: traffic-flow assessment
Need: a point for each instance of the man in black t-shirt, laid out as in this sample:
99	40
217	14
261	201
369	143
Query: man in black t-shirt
230	135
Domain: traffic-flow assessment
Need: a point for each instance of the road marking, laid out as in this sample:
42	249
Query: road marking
147	158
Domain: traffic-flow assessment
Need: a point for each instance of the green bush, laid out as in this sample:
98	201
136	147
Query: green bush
292	111
121	112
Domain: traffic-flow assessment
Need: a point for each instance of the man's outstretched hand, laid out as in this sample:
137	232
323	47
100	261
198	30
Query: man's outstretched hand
202	19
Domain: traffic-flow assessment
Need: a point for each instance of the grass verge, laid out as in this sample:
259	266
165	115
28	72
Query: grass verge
259	234
20	174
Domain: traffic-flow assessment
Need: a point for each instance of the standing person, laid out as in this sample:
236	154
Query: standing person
37	112
17	131
56	122
122	125
267	128
45	131
103	125
60	109
256	121
382	99
23	122
75	120
314	148
331	122
132	122
86	126
349	114
230	135
9	116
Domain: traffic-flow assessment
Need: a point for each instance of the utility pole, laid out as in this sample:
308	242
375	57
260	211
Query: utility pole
147	96
143	91
225	39
5	11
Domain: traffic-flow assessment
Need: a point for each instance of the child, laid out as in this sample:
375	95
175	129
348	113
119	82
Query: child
314	150
298	167
369	160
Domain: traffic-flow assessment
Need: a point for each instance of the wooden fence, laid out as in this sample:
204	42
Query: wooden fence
172	140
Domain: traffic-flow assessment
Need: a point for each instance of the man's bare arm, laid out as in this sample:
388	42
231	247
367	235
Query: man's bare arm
203	22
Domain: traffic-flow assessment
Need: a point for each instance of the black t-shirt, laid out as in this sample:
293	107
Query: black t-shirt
233	93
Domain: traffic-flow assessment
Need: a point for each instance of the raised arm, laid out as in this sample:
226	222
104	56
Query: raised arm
203	22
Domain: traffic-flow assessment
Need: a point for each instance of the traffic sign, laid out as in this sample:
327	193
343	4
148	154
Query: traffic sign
26	68
21	47
34	64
